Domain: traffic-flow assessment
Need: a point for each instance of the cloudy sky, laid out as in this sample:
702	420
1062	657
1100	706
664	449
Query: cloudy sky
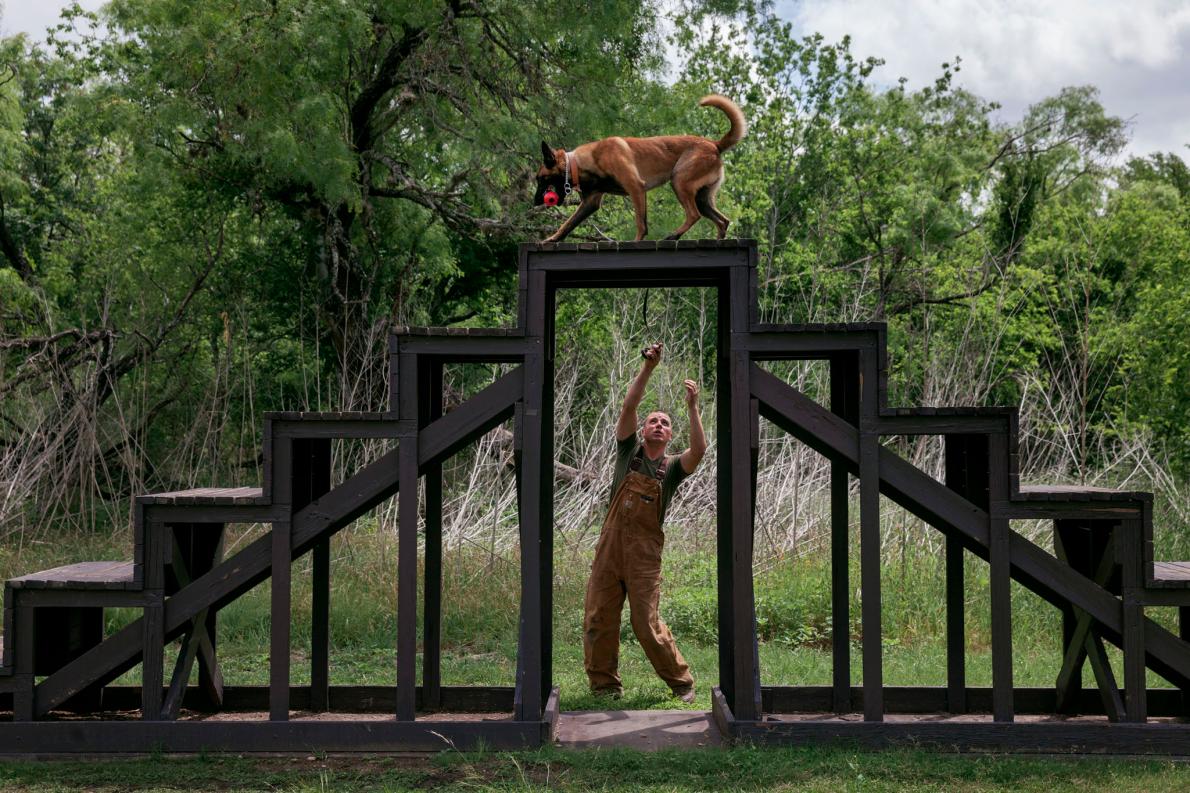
1137	52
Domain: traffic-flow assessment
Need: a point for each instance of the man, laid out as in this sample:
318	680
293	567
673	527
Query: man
628	556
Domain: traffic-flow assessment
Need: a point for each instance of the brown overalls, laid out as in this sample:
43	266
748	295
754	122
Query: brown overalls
628	562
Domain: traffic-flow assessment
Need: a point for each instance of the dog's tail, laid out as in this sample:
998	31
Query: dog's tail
739	126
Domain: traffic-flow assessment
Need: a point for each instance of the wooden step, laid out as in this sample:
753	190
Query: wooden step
1171	575
307	415
208	495
80	575
1079	493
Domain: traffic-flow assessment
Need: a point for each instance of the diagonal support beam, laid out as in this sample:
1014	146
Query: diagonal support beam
923	496
197	640
355	496
1076	650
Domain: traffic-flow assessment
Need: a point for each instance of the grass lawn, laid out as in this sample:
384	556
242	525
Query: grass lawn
740	769
479	648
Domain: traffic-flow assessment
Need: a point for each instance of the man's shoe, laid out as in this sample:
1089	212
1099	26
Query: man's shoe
685	694
607	693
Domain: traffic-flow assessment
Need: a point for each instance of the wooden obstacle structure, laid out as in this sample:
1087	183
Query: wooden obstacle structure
55	657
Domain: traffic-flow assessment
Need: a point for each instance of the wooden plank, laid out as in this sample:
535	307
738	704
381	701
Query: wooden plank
721	713
942	425
72	737
460	349
746	703
280	615
868	454
312	480
1043	738
844	371
909	700
80	575
1113	705
407	571
546	555
430	409
1128	537
1000	561
781	346
153	632
533	469
24	695
724	566
627	265
957	479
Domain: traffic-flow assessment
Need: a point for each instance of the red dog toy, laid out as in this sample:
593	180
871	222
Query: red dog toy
550	199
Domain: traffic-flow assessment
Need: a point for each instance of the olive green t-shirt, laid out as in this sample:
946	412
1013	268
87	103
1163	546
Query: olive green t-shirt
674	473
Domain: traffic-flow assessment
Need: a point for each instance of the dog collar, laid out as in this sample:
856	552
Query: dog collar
567	189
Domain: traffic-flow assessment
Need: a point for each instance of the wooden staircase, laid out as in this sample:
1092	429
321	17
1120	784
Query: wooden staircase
1102	577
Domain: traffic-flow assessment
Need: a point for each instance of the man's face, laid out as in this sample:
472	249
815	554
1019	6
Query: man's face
658	428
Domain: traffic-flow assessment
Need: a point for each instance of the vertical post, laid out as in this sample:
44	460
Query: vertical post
23	642
999	557
528	701
157	544
1128	552
869	535
844	370
746	705
280	621
409	398
957	448
281	562
723	502
546	539
1072	545
1184	635
407	576
312	480
431	665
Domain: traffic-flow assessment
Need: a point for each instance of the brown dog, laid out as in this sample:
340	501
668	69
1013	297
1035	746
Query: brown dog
633	166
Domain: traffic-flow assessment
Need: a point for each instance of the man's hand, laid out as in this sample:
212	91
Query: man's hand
698	442
626	426
652	354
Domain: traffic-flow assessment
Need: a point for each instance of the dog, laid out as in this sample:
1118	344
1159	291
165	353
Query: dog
633	166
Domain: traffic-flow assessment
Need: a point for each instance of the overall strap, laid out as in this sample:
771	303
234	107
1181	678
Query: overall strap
638	461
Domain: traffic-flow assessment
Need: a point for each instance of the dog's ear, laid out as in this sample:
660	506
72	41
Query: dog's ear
547	156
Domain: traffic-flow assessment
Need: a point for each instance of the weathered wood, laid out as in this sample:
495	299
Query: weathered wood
868	454
1000	561
430	409
74	737
531	508
280	620
1043	738
78	576
844	374
932	502
1128	537
908	700
407	570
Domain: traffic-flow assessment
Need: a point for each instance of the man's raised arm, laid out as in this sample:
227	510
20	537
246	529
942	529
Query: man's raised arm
698	442
626	426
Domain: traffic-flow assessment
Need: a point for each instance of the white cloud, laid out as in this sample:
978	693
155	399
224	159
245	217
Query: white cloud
34	16
1017	52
